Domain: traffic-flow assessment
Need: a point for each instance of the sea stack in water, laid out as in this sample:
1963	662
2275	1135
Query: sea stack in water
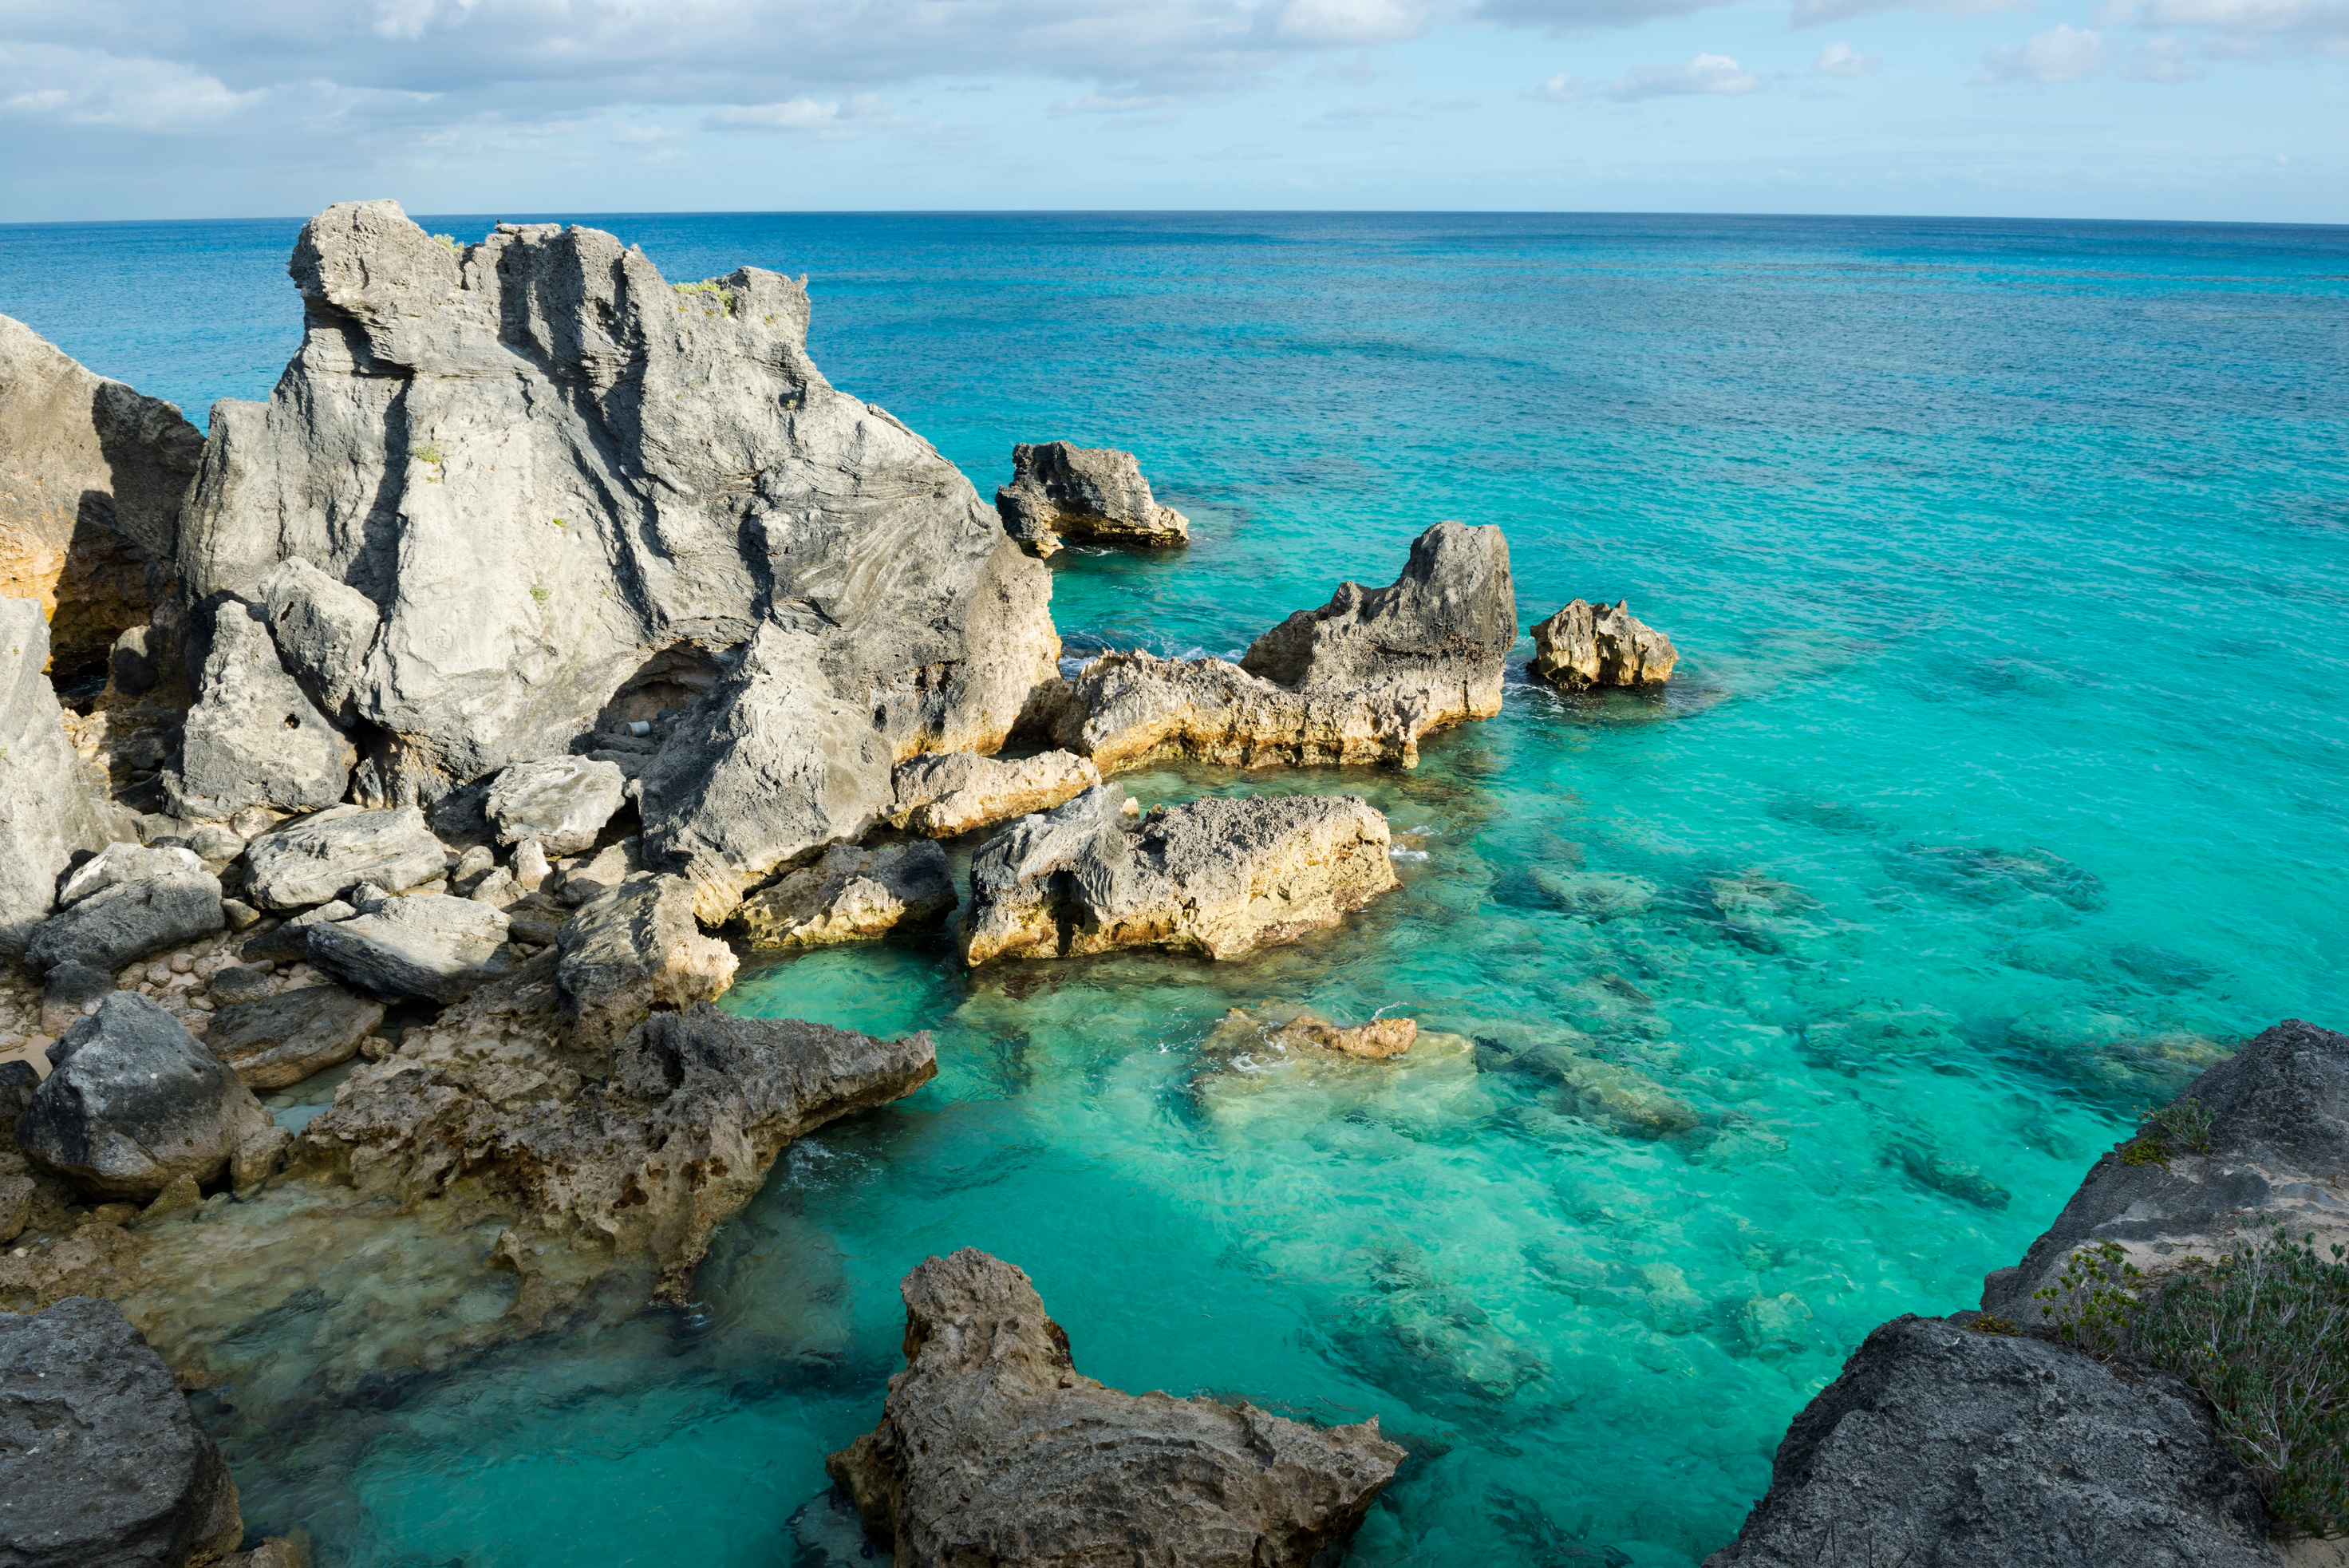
1216	877
1060	492
992	1448
1588	644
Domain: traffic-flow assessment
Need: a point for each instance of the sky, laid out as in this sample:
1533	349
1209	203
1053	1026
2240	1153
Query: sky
2203	109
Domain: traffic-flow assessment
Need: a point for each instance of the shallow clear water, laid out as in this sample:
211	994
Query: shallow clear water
2005	781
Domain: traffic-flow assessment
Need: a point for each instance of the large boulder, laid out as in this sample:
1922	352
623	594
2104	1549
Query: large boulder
634	949
427	944
253	737
1090	494
124	861
570	488
851	895
325	855
101	1462
943	796
327	628
562	802
273	1041
2275	1151
1943	1447
1216	877
1591	645
992	1448
133	1102
128	920
92	479
48	808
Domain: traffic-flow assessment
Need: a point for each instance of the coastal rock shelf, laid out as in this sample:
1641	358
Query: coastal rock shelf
1090	494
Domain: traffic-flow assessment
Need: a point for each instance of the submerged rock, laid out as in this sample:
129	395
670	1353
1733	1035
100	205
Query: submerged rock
1587	645
1379	1040
562	802
253	737
325	855
1216	876
133	1102
941	796
427	944
273	1041
1939	1446
48	808
1091	495
128	920
993	1448
102	1464
636	948
852	895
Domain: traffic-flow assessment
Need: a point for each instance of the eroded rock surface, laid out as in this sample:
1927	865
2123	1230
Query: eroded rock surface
634	949
323	857
1942	1448
1591	645
941	796
426	944
270	1041
253	737
562	802
992	1448
123	862
48	808
1216	877
101	1462
127	920
852	895
1091	495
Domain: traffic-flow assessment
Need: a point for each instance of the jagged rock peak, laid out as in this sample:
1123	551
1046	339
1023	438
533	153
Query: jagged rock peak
1586	645
1060	492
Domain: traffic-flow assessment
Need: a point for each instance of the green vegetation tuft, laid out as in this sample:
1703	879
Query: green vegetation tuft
428	453
538	591
450	240
723	295
2186	1123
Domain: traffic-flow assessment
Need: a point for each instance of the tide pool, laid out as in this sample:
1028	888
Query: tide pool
2003	784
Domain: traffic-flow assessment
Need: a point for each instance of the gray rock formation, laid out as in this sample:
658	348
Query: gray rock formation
273	1041
101	1462
1589	645
992	1448
326	629
2279	1152
128	920
325	855
1216	877
941	796
1445	625
1940	1448
48	808
253	737
67	990
291	942
851	895
600	873
1090	494
426	944
633	950
121	862
570	488
132	1102
92	479
562	802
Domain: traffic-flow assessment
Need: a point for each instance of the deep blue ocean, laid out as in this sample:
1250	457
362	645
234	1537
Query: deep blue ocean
2003	786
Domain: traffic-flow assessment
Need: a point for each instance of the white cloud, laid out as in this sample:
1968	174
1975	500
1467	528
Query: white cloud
1573	15
1812	13
1705	75
1840	59
1348	23
2240	29
2061	54
91	87
2167	58
796	114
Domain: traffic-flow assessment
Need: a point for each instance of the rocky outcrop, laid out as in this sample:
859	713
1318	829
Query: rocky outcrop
271	1041
1361	679
2277	1152
133	1102
92	479
942	796
426	944
852	895
691	1110
101	1462
1940	1448
634	950
48	809
127	920
1216	876
572	490
562	802
1591	645
992	1448
121	862
325	855
1060	492
253	737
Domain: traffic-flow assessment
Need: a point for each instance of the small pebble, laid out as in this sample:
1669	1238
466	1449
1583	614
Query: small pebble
181	962
159	974
205	1002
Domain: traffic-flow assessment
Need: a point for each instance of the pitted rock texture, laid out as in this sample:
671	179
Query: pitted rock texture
851	895
1060	492
562	802
100	1460
569	487
323	857
1216	877
1591	645
327	628
92	479
636	948
253	737
127	920
1942	1448
992	1448
271	1041
49	808
943	797
689	1113
133	1102
2278	1147
426	944
121	862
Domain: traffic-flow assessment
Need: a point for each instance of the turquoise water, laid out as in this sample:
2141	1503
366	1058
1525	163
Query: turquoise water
2005	784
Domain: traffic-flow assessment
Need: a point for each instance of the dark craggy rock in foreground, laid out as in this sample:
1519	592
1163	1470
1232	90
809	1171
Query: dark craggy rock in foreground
1940	1448
1090	494
101	1464
992	1448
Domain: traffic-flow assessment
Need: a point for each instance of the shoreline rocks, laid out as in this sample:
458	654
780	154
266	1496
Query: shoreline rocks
562	802
634	949
993	1448
270	1041
323	856
947	796
1585	646
851	895
49	810
426	944
1060	492
1216	877
127	921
